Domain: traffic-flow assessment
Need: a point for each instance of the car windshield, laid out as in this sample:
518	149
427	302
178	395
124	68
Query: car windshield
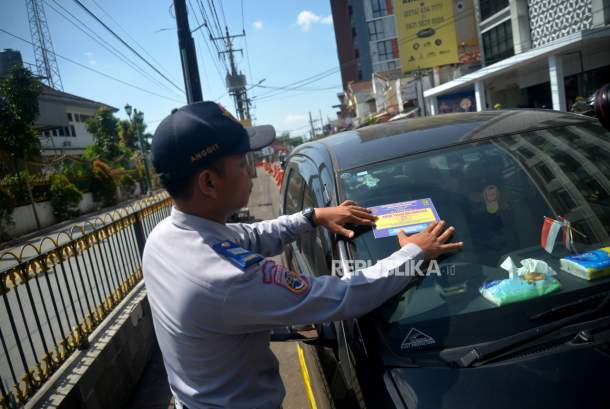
497	194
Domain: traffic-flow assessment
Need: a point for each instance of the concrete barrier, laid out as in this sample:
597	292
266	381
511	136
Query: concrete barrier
105	375
24	221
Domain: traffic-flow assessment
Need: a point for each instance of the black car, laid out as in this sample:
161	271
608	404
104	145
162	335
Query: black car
440	344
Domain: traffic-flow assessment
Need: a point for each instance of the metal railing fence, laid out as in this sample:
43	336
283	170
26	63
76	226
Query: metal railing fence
56	292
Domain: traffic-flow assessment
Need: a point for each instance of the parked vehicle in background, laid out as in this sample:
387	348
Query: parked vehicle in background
441	344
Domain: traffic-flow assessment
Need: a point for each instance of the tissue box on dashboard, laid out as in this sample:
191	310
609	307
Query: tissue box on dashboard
590	265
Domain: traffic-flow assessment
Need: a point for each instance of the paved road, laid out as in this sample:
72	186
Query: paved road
62	296
153	391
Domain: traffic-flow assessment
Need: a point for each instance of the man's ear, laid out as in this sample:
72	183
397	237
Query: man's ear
207	183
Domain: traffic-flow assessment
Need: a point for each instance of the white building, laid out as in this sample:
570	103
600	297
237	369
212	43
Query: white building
61	122
536	54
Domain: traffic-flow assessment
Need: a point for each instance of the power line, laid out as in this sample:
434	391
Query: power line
213	58
212	34
102	42
126	44
94	70
243	29
131	37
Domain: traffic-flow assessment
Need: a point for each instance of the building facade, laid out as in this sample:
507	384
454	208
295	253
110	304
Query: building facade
351	37
381	30
61	117
535	54
61	122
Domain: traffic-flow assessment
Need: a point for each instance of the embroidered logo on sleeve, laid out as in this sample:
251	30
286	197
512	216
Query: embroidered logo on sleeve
279	275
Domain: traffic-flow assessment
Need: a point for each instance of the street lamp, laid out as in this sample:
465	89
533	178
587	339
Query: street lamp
137	115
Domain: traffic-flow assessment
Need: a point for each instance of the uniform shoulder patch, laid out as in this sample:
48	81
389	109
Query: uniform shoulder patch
239	256
279	275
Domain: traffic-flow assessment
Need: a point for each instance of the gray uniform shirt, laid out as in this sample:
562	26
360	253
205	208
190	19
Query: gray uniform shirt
212	319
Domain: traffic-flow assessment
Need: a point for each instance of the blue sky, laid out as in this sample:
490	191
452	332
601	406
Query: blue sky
287	41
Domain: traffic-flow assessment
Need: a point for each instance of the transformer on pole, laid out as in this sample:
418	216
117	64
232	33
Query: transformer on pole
44	54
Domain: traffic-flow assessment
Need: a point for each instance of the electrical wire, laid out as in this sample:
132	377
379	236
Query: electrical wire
92	14
94	70
102	42
131	37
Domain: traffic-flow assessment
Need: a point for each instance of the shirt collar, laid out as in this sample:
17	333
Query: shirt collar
192	222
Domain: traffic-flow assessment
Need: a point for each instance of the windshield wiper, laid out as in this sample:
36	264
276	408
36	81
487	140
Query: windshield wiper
497	347
567	308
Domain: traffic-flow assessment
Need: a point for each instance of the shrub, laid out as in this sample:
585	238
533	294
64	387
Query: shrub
7	204
103	186
128	185
65	197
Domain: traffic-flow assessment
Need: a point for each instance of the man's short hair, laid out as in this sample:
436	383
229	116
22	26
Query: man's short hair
182	188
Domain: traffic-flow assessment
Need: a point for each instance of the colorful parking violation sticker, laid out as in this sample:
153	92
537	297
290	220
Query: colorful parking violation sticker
411	217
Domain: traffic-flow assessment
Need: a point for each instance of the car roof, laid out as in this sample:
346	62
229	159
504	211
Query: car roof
389	140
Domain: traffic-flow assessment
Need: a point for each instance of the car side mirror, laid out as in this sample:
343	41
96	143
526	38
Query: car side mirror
602	106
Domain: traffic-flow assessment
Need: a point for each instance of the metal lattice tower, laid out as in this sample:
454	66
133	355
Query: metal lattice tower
44	54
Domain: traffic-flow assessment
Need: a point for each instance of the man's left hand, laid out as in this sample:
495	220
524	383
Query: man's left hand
335	218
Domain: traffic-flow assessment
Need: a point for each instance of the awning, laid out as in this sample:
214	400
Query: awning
561	45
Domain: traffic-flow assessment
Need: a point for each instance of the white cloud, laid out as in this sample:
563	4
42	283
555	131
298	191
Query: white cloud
295	119
327	20
306	19
258	25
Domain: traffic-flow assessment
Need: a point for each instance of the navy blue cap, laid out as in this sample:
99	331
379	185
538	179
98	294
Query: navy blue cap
198	134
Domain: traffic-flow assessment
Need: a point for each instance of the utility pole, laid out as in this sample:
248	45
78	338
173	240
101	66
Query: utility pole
236	81
313	130
321	123
188	55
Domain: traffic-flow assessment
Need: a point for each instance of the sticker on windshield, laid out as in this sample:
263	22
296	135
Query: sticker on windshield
411	217
415	339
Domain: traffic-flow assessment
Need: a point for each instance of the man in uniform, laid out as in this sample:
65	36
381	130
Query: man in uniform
213	296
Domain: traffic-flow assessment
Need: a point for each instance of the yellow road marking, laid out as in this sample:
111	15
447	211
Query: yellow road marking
306	379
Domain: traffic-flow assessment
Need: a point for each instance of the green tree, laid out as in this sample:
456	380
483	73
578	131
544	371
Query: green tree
19	91
104	128
127	134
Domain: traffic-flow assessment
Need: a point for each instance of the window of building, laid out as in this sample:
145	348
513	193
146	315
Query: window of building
384	50
353	32
72	130
69	117
378	7
359	75
490	7
392	65
498	43
54	132
356	53
83	118
376	31
350	10
61	132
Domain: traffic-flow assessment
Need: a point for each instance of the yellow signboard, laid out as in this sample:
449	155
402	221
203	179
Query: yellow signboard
426	32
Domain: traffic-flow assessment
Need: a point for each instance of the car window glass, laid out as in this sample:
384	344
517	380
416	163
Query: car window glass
312	243
559	172
294	193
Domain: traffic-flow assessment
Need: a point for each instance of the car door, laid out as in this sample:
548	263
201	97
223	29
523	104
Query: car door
310	253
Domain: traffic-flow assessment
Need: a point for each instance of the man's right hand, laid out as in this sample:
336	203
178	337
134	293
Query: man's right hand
432	240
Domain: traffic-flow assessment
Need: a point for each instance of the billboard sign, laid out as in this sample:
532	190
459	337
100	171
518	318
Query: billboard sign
426	32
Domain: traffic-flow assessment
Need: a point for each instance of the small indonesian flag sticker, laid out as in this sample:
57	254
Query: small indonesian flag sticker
550	230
